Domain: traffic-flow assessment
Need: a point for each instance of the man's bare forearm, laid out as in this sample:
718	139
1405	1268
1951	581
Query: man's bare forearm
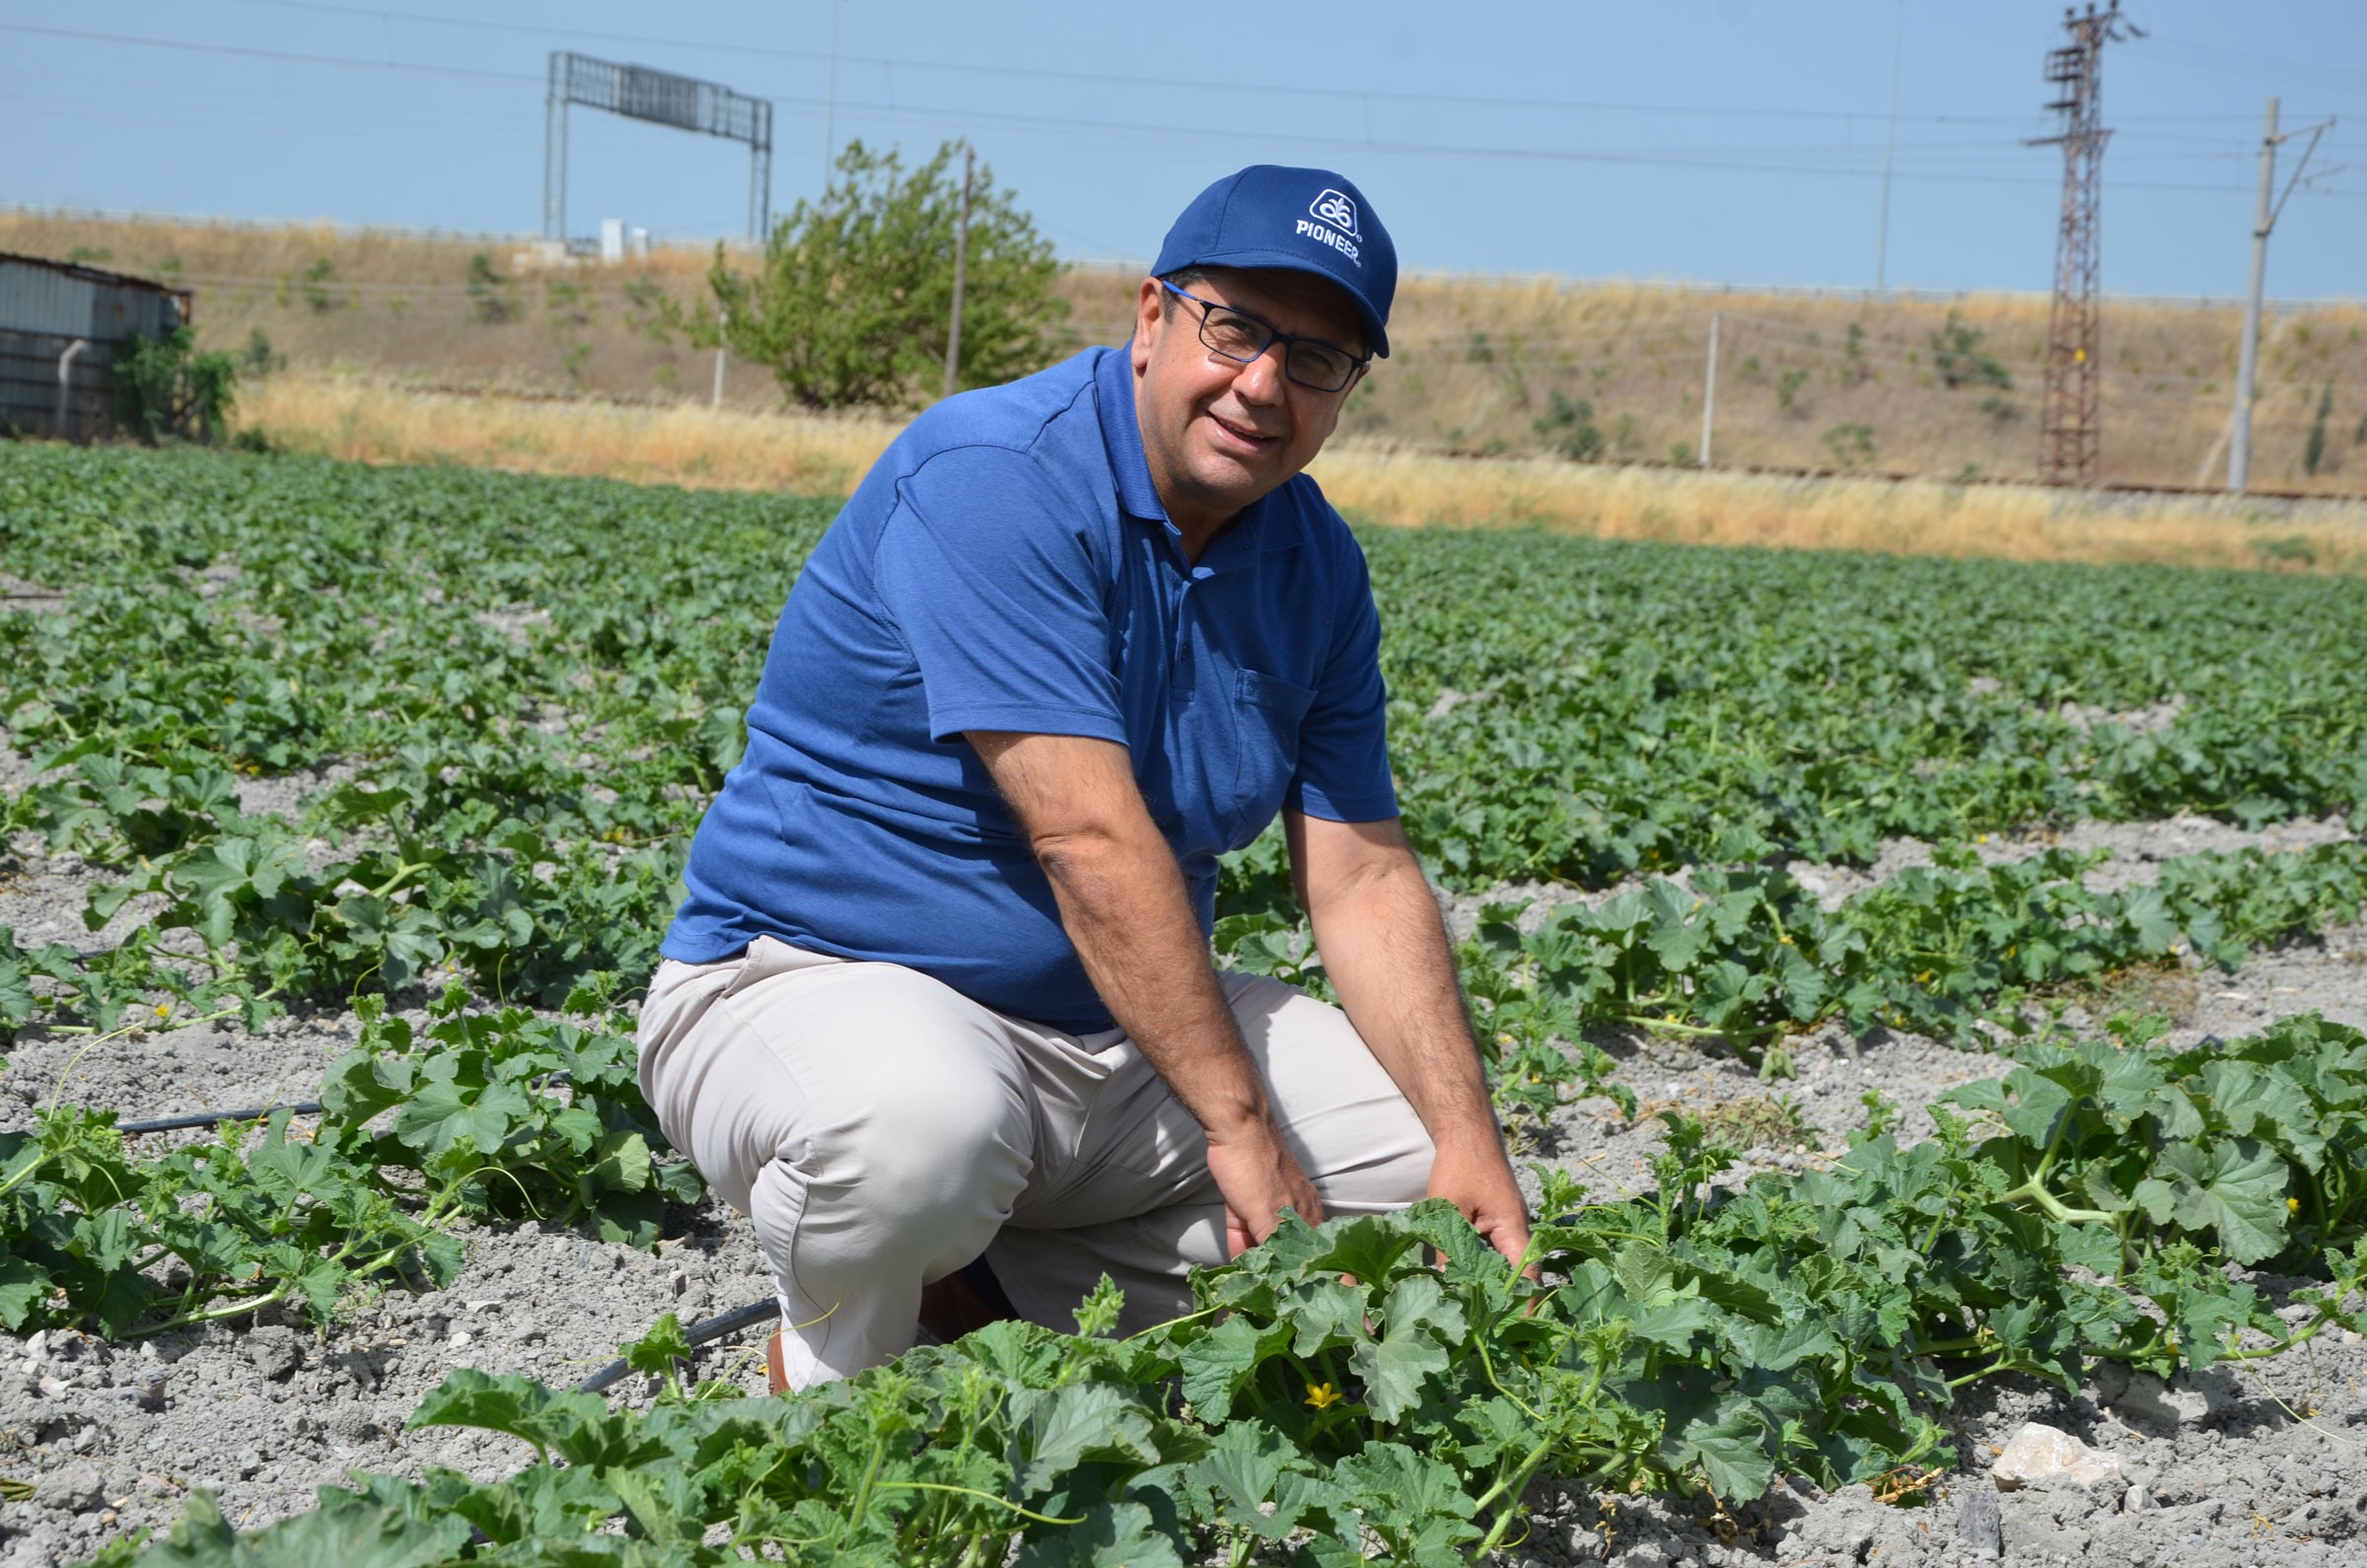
1124	908
1385	952
1124	904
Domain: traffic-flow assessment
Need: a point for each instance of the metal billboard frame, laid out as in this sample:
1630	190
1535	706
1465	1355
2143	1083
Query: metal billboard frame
638	91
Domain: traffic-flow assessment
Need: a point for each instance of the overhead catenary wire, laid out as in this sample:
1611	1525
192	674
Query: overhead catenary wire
1735	161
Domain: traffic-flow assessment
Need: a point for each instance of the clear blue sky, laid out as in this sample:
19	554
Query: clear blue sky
1731	141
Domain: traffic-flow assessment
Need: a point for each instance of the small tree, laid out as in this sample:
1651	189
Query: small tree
166	389
855	300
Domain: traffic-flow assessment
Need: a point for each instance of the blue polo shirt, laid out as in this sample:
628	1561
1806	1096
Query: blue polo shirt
1006	565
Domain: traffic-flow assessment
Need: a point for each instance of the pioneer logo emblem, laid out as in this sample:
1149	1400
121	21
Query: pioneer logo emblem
1335	209
1337	225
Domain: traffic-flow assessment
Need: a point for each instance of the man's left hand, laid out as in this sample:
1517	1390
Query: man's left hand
1479	1181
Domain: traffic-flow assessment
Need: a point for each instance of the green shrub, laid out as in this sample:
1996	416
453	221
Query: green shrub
2313	452
1959	355
488	297
1851	445
259	359
164	390
1569	428
851	306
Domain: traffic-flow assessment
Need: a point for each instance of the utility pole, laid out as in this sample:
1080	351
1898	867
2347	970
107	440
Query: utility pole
830	113
1709	390
723	319
2070	437
1890	144
953	336
2247	353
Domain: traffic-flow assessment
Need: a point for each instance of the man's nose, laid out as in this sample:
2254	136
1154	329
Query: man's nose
1260	379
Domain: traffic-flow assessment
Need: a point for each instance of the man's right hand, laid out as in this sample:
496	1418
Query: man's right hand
1259	1178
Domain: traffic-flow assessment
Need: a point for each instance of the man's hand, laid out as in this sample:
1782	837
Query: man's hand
1259	1179
1479	1181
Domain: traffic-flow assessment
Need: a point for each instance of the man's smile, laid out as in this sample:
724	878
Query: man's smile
1246	438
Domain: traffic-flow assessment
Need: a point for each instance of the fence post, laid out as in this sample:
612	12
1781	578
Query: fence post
1709	390
723	318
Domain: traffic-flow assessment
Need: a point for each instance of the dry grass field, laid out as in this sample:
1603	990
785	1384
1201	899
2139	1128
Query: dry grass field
1484	367
352	418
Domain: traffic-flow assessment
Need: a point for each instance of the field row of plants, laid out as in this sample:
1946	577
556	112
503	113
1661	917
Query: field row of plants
486	711
1387	1388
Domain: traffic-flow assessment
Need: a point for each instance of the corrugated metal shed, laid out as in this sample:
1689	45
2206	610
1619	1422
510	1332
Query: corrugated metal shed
47	307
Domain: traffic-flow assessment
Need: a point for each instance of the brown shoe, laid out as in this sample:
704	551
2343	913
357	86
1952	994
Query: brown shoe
774	1373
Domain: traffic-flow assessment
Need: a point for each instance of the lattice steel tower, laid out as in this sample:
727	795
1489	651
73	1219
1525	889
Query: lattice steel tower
2070	437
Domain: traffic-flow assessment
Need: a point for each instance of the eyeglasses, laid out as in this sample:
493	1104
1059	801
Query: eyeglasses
1239	337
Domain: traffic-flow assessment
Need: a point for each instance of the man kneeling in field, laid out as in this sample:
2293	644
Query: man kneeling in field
938	1013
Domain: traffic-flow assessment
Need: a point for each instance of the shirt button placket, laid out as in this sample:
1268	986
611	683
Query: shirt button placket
1180	678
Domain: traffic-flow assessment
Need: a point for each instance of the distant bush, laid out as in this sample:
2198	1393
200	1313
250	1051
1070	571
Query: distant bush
1851	445
488	291
1854	368
1569	429
167	391
2313	451
1959	355
257	359
313	286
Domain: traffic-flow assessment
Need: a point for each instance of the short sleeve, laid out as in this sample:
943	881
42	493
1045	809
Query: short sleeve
994	579
1343	742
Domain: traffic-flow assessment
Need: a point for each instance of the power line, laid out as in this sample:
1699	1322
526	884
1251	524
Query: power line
1296	88
2207	57
1727	162
288	56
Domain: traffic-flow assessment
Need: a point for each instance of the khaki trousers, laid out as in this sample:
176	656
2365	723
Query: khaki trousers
882	1131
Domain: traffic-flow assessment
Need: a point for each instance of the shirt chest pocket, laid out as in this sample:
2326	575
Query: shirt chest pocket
1266	712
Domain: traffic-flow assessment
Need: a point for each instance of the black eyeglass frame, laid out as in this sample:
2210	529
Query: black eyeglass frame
1273	335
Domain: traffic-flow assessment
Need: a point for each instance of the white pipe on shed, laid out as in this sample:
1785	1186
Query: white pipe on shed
65	386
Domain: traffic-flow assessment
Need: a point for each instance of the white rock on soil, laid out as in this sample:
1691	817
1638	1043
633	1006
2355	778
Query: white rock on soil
2039	1455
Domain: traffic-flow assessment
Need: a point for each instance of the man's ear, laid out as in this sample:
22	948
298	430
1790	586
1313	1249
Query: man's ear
1150	313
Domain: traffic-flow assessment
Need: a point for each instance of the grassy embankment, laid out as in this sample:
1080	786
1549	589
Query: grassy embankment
1840	381
738	448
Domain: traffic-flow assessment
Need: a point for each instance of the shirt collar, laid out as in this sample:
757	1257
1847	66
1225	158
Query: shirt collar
1271	523
1121	435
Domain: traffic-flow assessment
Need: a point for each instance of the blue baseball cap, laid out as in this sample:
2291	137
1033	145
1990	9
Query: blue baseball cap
1303	220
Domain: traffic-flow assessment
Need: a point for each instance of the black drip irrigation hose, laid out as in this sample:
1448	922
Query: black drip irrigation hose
698	1333
215	1118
